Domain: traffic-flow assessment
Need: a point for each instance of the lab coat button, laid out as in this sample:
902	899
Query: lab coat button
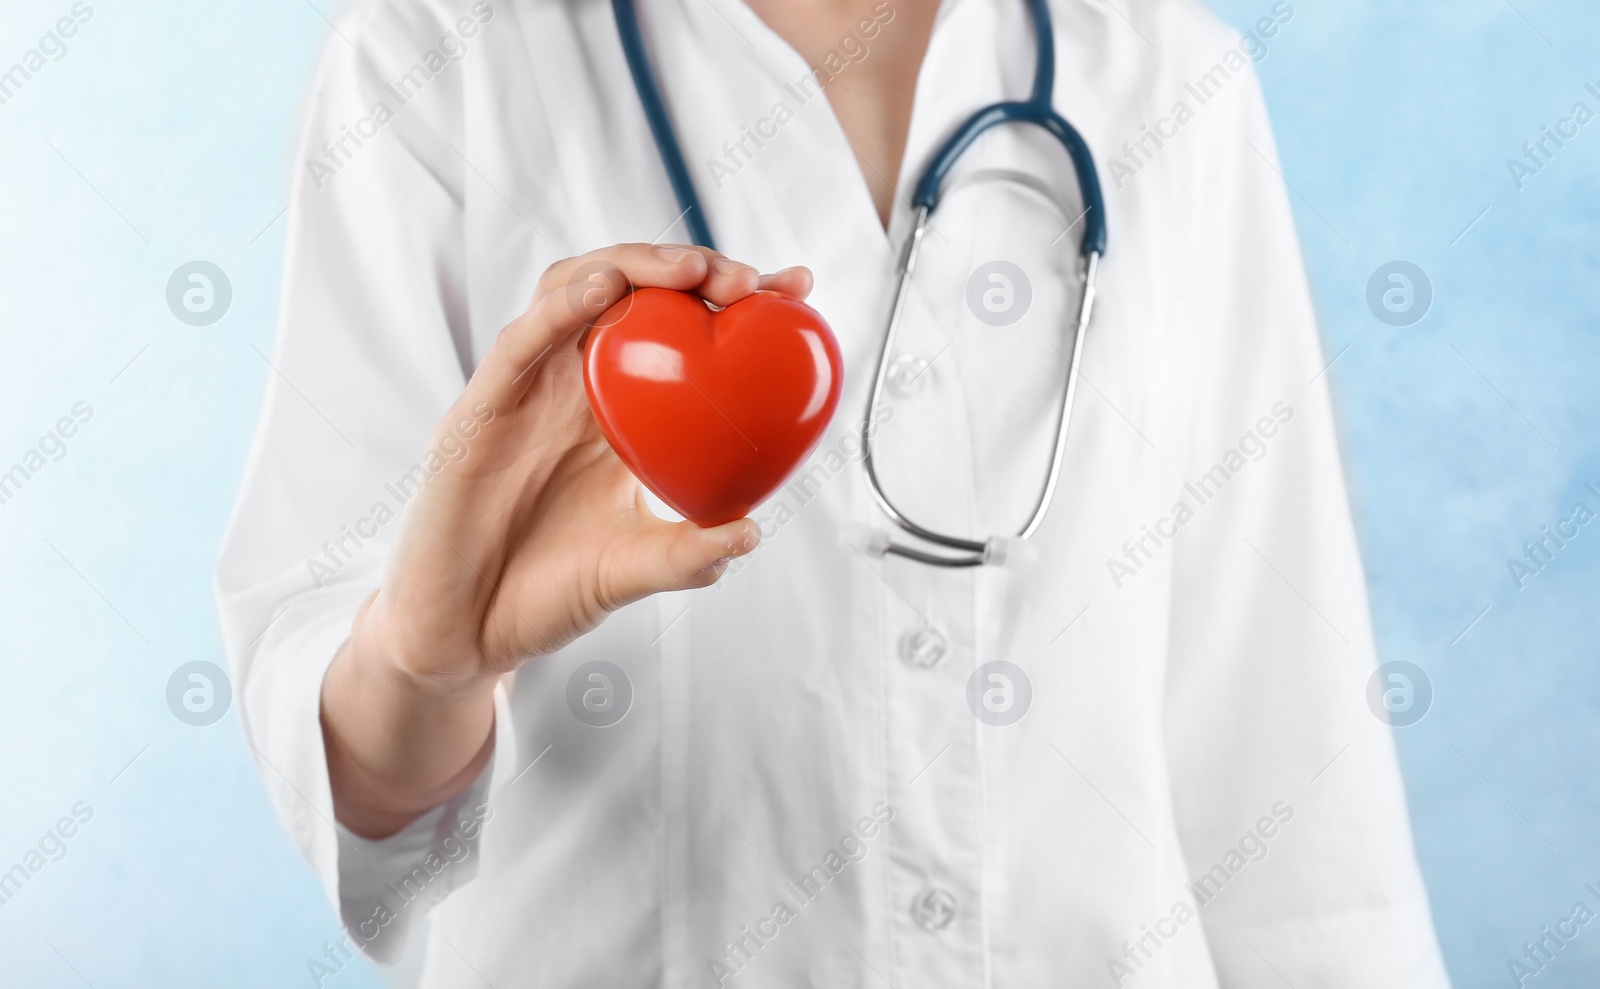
934	908
923	648
906	375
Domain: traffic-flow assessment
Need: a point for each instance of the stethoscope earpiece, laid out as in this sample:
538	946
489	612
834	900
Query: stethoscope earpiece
871	542
868	540
1009	551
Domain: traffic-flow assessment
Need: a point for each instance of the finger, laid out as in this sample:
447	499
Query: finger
795	282
572	294
673	557
727	281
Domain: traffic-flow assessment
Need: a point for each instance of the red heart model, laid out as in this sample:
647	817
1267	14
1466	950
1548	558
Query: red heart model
712	409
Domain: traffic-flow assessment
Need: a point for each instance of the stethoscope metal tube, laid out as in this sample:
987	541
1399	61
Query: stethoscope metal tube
975	553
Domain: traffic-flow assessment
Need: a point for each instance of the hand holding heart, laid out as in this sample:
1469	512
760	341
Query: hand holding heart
517	548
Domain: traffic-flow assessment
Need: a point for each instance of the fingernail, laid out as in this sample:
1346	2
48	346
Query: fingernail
673	253
728	266
745	542
777	275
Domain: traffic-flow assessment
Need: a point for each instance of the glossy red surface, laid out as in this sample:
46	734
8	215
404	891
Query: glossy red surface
712	410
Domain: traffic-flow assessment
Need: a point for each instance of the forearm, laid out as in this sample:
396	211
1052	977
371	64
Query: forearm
398	746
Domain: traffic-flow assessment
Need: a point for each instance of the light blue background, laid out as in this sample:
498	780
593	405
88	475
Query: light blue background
164	136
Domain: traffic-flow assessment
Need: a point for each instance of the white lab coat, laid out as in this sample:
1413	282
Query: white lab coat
1198	794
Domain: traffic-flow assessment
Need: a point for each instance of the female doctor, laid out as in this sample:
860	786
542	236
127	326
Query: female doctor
533	733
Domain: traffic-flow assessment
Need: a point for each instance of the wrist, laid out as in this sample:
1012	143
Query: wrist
376	655
399	742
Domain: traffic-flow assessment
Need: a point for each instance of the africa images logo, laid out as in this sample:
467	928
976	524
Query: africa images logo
1252	446
1252	47
740	950
851	48
51	847
337	152
51	448
1253	846
52	45
198	693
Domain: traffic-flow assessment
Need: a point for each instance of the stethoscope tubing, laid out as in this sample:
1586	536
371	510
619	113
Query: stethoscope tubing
655	113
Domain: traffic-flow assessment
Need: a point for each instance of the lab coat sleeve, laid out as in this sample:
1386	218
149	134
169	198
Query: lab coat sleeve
369	355
1270	647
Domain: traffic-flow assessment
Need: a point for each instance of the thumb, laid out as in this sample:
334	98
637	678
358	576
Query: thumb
681	555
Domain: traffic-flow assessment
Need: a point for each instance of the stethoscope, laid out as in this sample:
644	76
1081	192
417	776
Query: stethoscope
1037	110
